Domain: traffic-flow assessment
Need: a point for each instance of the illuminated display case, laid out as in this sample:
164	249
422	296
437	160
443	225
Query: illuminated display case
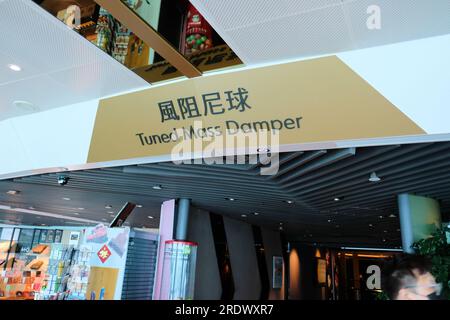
178	275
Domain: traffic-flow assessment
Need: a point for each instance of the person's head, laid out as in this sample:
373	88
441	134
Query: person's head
409	278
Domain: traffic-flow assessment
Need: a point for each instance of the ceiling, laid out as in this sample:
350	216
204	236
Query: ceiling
263	31
311	179
66	206
59	67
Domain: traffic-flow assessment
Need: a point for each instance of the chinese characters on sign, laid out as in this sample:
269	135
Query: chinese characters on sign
104	253
212	103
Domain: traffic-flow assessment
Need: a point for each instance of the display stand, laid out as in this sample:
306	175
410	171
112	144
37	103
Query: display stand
178	278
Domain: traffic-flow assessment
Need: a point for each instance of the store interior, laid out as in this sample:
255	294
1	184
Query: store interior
178	23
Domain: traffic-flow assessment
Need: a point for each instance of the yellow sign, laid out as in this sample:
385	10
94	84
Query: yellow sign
320	100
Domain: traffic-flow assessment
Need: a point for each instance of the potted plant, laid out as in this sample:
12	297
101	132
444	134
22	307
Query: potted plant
437	250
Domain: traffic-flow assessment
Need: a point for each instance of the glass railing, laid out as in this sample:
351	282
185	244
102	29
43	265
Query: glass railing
157	39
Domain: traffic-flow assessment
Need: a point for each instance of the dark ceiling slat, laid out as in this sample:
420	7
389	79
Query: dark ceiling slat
188	172
340	168
93	179
424	169
369	166
326	160
347	178
297	162
198	168
389	180
370	198
193	185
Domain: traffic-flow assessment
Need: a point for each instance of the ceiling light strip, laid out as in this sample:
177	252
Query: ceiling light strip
371	249
150	36
47	214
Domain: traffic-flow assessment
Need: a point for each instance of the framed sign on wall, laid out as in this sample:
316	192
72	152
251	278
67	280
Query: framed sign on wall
277	269
321	271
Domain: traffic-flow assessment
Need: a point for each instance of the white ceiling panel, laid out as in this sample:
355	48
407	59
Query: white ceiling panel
29	68
44	93
252	12
59	67
287	36
265	31
401	20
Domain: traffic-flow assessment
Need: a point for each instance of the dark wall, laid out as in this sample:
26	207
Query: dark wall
244	265
207	277
230	244
272	247
307	278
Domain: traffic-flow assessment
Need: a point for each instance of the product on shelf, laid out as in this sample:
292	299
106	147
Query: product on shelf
98	234
58	7
39	248
112	36
4	246
36	265
67	274
138	53
104	30
198	32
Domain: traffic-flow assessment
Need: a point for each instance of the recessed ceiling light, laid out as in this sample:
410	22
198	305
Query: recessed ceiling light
111	212
13	192
243	215
374	178
81	209
384	240
392	216
139	205
108	207
385	231
157	187
289	201
336	199
230	199
76	213
14	67
25	106
150	217
370	225
256	213
329	220
43	224
66	199
381	217
31	208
